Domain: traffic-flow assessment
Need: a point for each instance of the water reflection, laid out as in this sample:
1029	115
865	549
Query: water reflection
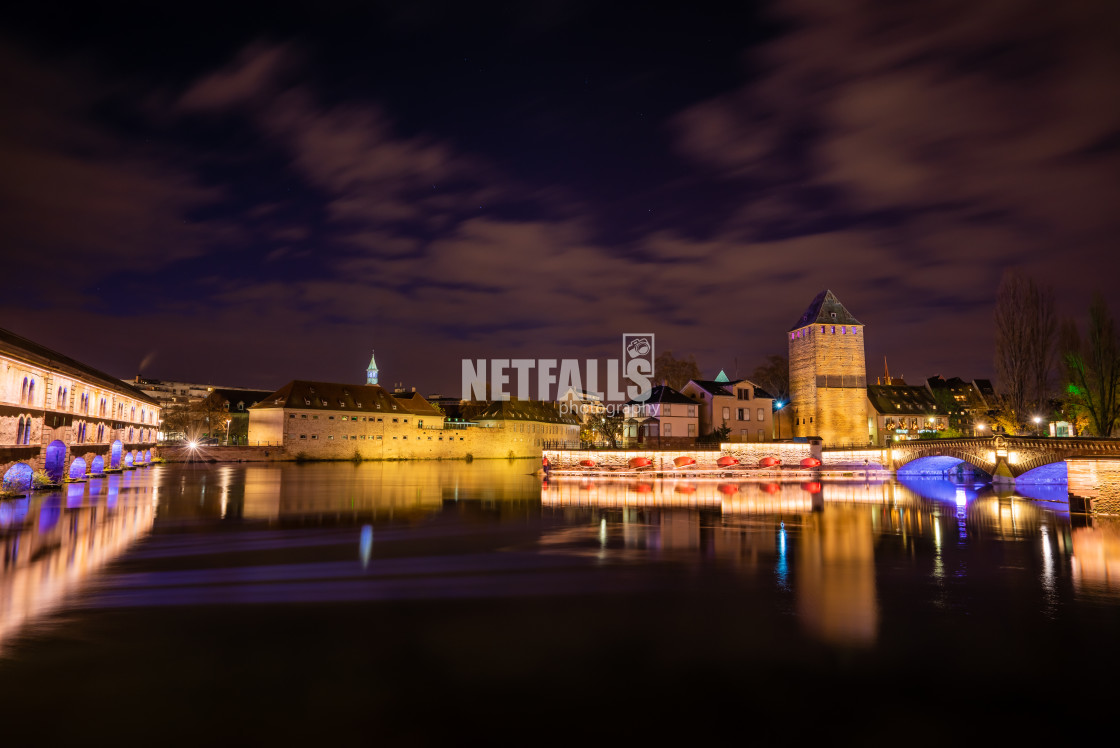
833	556
54	542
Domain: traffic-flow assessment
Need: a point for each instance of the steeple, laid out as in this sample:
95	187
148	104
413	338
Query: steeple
722	376
371	370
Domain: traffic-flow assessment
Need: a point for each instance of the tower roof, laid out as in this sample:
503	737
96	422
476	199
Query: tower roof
372	363
826	308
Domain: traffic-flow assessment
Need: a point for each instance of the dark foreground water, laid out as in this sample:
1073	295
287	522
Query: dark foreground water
455	603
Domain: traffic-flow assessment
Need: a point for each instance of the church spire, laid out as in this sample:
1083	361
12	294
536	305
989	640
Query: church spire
371	370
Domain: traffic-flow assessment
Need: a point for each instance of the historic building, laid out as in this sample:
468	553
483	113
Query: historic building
537	424
224	414
328	420
827	373
67	418
742	406
898	412
663	418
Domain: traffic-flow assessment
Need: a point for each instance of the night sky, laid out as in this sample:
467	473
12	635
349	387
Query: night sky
244	196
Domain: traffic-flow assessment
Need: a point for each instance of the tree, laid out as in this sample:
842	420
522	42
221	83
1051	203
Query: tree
773	376
613	426
675	372
1093	367
1026	331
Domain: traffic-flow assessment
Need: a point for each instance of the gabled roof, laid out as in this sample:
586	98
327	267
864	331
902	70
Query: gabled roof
19	347
306	395
663	393
826	308
527	410
720	388
249	397
901	399
414	403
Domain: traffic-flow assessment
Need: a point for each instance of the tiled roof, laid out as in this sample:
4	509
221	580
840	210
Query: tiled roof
904	399
414	403
20	347
663	393
306	395
826	308
526	410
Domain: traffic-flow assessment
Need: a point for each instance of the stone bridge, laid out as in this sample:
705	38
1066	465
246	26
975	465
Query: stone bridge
1005	458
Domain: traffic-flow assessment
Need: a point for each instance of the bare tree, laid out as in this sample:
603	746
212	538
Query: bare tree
773	376
1093	366
1026	330
676	372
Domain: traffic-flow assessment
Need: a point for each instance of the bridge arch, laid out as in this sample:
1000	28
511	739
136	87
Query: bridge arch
77	468
97	467
115	455
54	462
18	477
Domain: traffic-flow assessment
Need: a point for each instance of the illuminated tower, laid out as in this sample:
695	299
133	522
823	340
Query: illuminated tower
827	374
371	370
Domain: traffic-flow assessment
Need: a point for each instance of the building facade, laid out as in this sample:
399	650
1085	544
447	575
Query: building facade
899	412
828	374
333	421
67	418
742	406
665	418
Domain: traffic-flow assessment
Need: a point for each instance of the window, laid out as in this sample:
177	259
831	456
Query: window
761	414
761	435
843	330
692	429
741	414
822	329
746	414
331	418
19	432
668	428
834	329
727	414
668	409
303	436
303	416
293	415
692	411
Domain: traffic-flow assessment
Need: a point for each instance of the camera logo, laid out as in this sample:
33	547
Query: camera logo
638	355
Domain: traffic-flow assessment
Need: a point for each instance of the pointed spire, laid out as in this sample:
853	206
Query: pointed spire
722	376
371	370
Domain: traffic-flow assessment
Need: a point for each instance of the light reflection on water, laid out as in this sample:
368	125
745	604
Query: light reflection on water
375	532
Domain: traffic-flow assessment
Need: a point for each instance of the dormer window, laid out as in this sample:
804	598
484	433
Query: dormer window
306	401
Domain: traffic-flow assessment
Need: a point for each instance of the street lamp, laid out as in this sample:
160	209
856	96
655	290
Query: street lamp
778	416
978	427
228	421
1037	421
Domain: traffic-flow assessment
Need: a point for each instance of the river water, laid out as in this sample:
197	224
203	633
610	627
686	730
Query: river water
427	603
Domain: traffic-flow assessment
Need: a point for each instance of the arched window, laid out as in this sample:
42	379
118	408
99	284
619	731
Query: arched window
23	392
103	409
27	431
132	414
31	392
58	399
19	431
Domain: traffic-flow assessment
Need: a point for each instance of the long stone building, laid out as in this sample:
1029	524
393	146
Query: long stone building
67	418
333	421
828	374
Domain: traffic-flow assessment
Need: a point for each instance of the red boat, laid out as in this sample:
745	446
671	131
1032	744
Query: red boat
640	462
685	489
769	462
643	488
683	460
727	461
771	487
728	488
813	487
810	462
587	463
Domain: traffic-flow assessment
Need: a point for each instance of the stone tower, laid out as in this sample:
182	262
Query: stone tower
371	371
827	374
